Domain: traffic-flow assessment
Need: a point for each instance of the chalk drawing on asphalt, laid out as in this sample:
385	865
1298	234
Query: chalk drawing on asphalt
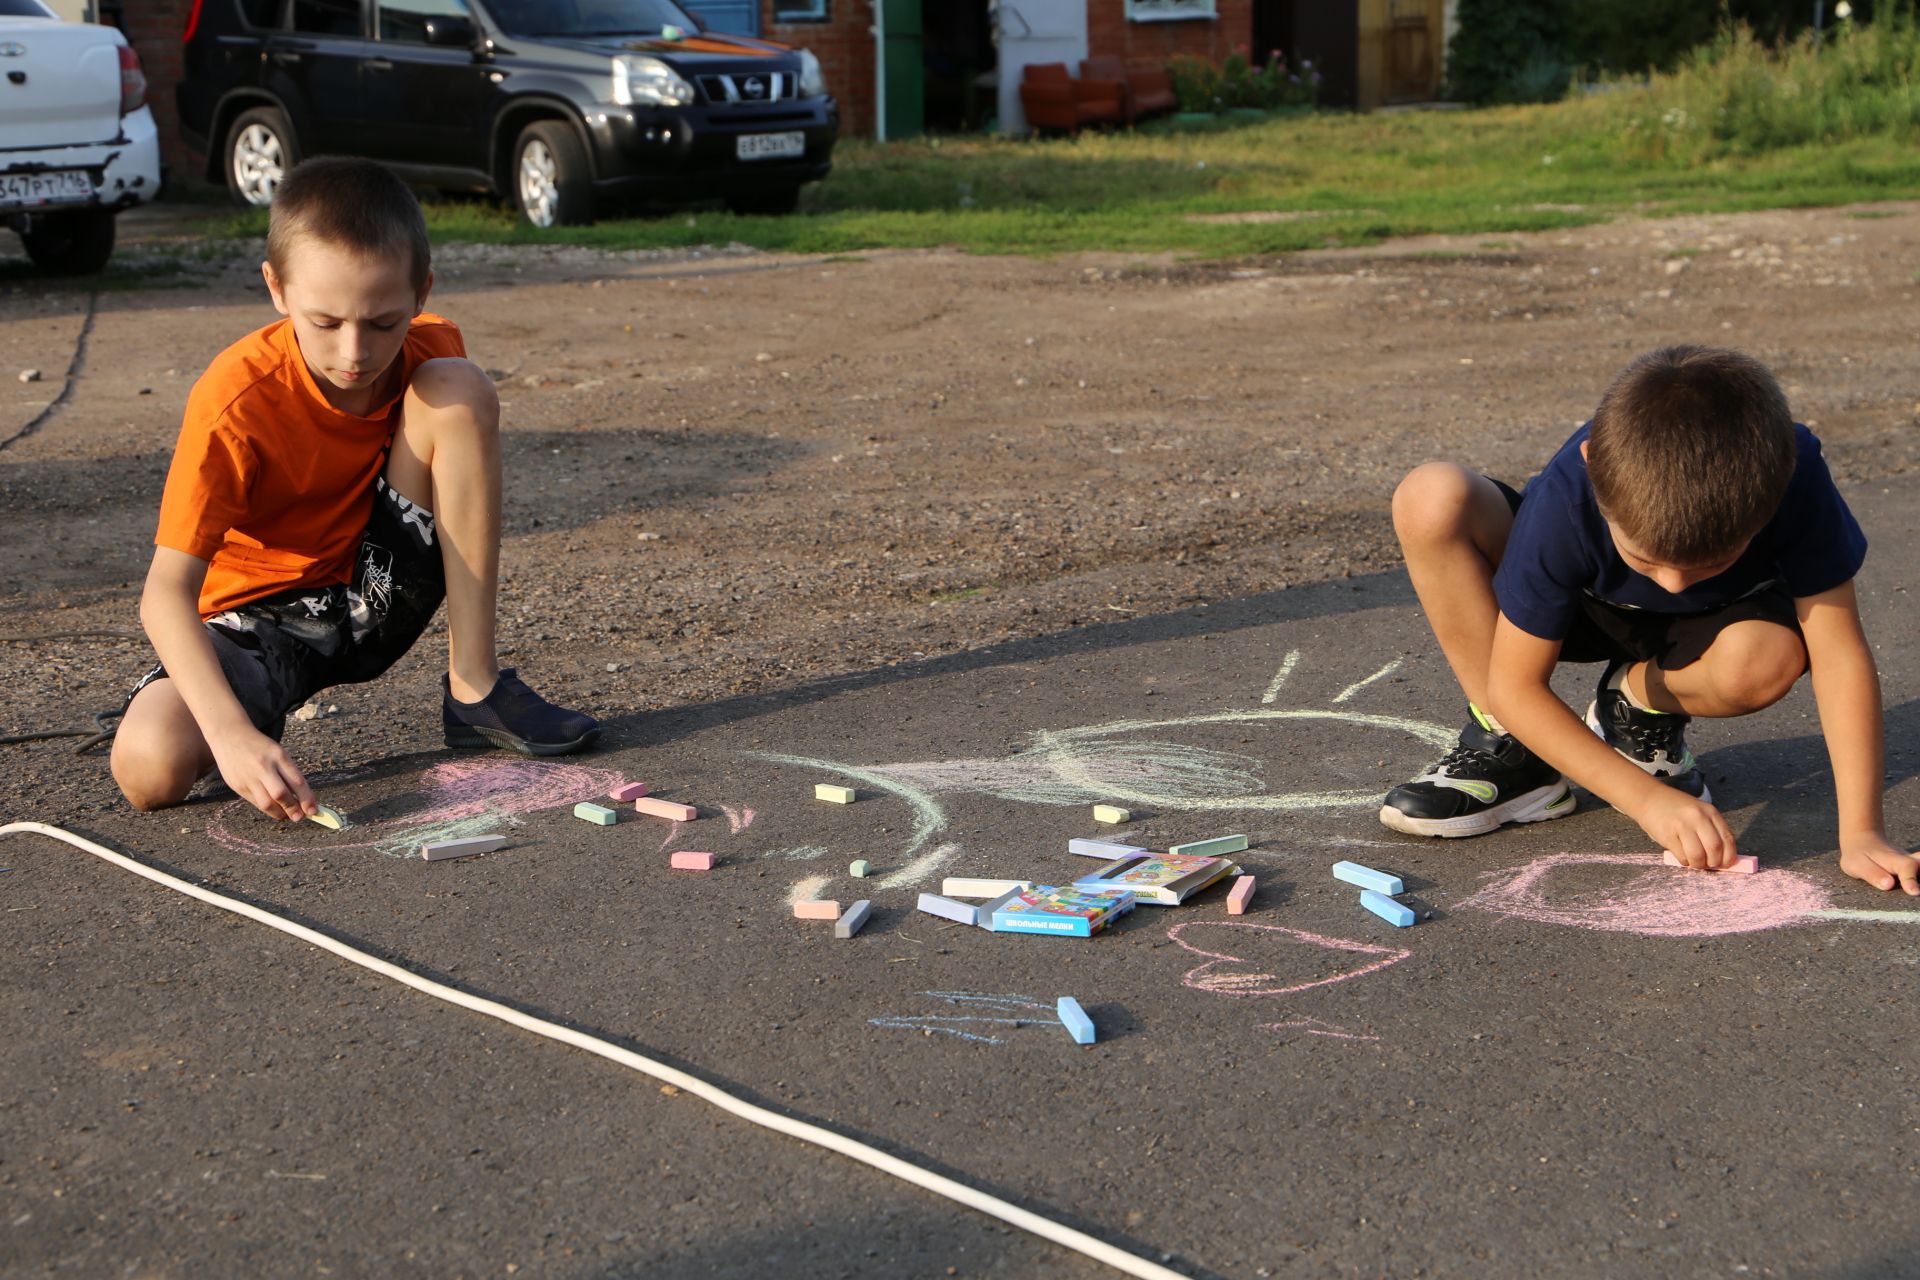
1315	1027
1637	893
1136	761
975	1013
459	798
1245	959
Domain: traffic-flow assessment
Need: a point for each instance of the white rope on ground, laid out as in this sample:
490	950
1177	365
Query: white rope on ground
1045	1228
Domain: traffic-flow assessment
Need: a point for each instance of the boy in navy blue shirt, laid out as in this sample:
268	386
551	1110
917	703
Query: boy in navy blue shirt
1691	538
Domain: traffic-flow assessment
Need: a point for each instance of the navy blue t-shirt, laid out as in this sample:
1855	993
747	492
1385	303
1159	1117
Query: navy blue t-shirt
1560	550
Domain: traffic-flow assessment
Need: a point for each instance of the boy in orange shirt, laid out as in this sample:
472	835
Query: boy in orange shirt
338	473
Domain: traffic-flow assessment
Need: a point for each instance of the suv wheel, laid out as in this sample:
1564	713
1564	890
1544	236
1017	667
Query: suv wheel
776	202
260	152
550	181
71	244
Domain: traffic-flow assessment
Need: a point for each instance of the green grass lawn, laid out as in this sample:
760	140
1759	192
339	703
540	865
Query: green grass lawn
1740	128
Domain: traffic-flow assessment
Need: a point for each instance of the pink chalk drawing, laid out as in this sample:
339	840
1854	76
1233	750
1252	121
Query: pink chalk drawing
1315	1027
458	798
1653	899
1216	975
738	820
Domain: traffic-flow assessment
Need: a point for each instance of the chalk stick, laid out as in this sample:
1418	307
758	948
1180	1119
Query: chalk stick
631	791
965	887
687	860
859	868
330	818
1367	878
435	850
1744	864
598	814
1074	1019
983	914
1239	896
1106	849
1397	914
1208	848
816	909
855	919
832	794
1111	813
947	909
665	809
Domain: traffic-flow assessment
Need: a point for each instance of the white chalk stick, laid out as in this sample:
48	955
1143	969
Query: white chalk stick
965	887
946	908
435	850
1104	849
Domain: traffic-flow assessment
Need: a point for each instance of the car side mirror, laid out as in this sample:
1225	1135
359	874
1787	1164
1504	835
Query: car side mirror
450	31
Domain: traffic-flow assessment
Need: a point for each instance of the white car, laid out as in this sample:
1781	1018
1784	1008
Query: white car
77	142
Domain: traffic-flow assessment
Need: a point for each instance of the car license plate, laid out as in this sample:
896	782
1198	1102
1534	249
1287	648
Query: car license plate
771	146
56	186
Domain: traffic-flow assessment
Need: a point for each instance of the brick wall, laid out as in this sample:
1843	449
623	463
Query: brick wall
844	45
154	28
1150	44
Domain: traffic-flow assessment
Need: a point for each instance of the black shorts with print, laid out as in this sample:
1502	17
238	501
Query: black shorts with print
280	651
1604	632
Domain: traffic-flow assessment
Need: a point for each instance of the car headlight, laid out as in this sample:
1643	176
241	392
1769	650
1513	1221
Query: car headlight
813	82
648	82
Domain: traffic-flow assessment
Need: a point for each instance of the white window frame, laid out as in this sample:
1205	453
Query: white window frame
785	11
1172	10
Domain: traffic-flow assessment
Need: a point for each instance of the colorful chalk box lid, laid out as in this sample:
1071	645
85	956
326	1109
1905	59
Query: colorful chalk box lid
1158	879
1066	913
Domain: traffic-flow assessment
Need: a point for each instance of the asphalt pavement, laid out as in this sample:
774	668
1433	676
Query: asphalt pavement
1577	1063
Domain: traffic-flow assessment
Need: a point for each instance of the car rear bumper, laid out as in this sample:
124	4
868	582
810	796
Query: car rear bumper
124	172
693	152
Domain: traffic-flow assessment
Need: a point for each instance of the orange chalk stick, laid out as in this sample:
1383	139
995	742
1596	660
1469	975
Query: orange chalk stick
665	809
1240	896
687	861
816	909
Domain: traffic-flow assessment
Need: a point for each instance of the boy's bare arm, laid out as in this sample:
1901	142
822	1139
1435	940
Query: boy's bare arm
254	765
1846	689
1522	699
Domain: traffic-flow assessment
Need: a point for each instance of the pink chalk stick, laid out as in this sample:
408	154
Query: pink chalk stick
1744	864
630	791
1240	896
665	809
816	910
686	861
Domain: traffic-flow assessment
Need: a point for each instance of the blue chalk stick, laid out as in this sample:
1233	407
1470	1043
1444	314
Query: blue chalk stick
1397	914
1075	1020
1368	878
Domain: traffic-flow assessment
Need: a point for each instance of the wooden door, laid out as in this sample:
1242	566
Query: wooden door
1413	40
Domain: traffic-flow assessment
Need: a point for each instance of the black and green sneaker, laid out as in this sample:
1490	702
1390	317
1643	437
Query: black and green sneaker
1488	780
1654	740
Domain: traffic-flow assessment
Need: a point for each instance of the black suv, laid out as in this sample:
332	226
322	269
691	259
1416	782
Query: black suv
556	105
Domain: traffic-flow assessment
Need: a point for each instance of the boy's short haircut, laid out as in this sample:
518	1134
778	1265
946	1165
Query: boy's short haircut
1691	452
354	203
